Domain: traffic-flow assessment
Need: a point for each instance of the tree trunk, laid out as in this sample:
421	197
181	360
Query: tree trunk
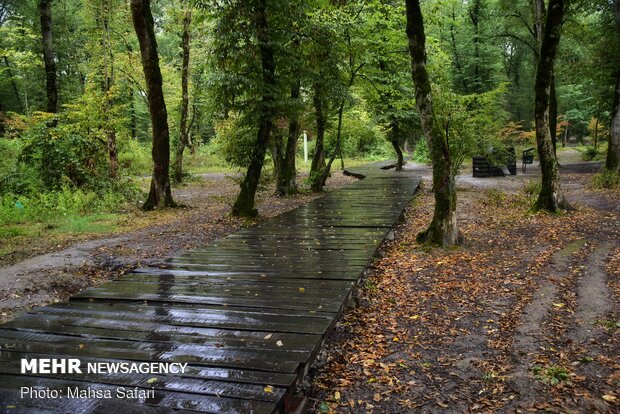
159	195
244	206
108	80
443	229
13	83
45	12
553	116
318	158
394	140
337	150
613	150
550	197
286	184
612	161
183	130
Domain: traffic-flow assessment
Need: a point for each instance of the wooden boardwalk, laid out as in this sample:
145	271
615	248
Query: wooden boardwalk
248	313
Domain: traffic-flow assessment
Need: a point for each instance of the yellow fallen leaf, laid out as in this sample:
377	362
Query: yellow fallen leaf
268	336
268	388
395	339
559	305
377	397
151	380
414	317
302	290
337	395
609	398
81	346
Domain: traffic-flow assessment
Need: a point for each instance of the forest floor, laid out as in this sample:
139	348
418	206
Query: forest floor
40	271
523	317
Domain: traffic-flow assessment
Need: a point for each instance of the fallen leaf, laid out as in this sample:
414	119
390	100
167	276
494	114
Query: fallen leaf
268	389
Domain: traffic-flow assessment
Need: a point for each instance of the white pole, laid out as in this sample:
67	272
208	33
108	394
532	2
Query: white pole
305	147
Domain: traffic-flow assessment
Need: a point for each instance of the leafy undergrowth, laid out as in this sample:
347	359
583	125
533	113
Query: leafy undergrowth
437	330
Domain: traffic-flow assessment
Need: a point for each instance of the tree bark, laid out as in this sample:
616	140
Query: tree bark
443	229
551	197
45	13
183	130
286	184
108	80
394	139
160	195
244	205
612	161
318	158
553	116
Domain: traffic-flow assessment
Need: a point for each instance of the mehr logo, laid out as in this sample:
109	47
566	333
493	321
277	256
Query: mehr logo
51	366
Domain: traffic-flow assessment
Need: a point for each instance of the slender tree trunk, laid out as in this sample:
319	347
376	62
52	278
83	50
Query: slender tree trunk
337	150
553	116
108	80
286	184
613	149
159	195
394	139
45	12
13	83
244	206
551	197
443	229
318	159
183	130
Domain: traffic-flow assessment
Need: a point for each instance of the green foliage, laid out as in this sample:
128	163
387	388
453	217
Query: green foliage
234	140
606	179
552	375
589	154
361	138
421	153
48	206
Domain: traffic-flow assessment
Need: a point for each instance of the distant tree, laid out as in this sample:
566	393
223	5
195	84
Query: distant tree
45	13
183	127
443	229
160	194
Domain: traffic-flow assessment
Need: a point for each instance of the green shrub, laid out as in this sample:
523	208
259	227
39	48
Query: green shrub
421	153
135	158
606	179
360	138
589	154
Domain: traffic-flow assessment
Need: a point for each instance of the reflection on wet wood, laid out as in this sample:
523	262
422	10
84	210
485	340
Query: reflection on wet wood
247	313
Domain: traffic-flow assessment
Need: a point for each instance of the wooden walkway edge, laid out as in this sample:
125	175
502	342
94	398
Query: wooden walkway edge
248	314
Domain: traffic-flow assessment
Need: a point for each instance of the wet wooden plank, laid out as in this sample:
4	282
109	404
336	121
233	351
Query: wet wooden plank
246	312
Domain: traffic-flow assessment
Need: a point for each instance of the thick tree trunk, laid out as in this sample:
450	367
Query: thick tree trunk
318	159
183	130
613	150
45	12
244	206
286	183
550	197
159	195
443	229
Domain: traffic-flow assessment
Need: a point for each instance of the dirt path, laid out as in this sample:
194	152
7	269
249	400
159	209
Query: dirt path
56	275
525	316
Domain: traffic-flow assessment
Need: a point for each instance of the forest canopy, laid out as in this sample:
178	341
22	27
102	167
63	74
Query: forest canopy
243	80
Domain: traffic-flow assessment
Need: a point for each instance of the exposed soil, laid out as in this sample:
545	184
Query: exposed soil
59	271
523	317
